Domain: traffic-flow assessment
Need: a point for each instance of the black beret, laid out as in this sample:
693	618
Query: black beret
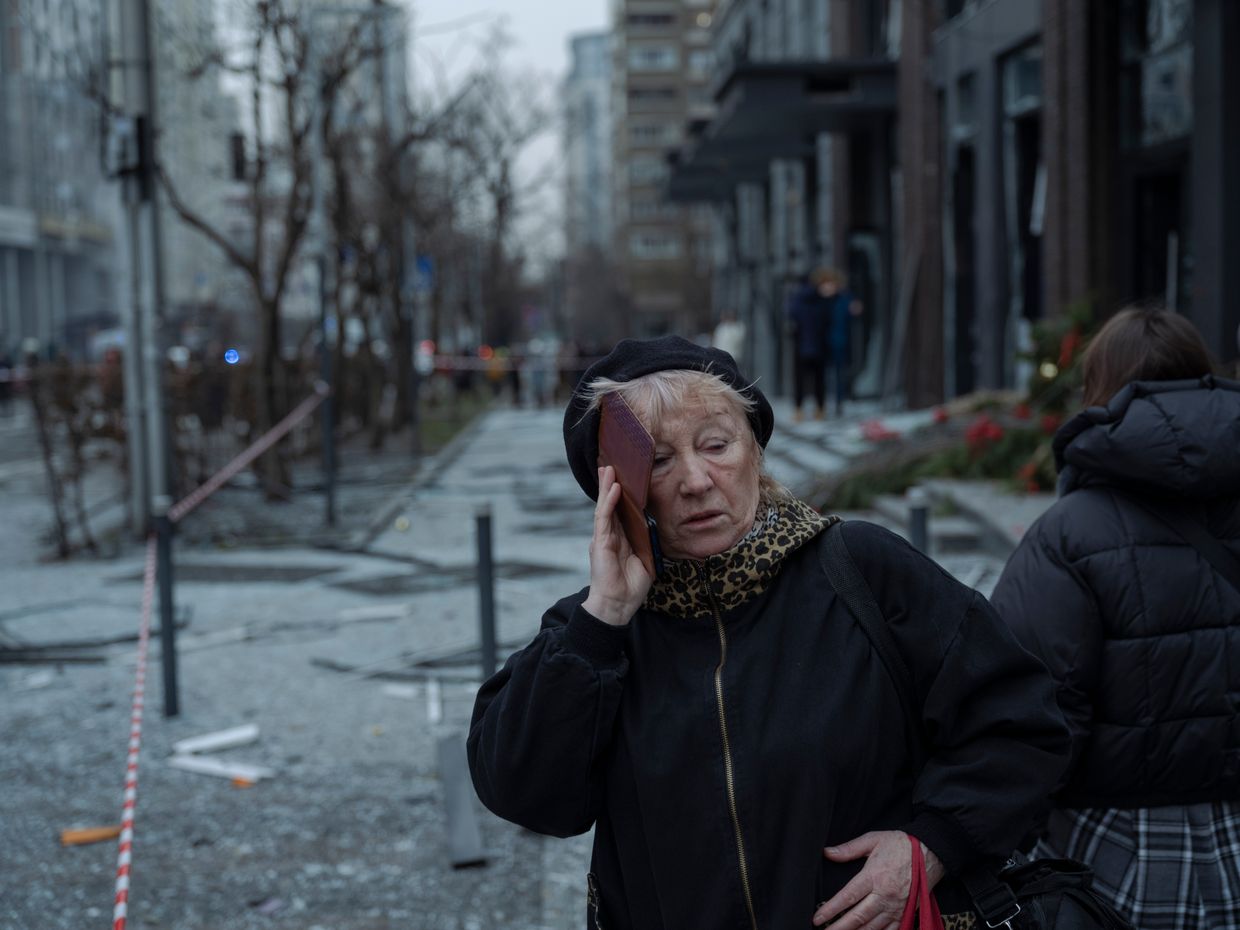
633	358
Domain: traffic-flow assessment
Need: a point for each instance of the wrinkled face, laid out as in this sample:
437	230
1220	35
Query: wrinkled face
704	486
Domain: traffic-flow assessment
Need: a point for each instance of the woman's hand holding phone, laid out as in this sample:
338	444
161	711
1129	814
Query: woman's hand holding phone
618	580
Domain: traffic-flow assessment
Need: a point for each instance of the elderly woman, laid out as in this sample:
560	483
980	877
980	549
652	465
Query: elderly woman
727	728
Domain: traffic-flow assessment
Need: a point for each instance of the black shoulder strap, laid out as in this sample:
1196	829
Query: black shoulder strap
993	899
1193	532
851	586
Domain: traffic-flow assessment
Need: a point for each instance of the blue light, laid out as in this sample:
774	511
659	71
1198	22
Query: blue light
232	356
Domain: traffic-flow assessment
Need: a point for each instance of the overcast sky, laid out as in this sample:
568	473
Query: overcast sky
445	36
540	28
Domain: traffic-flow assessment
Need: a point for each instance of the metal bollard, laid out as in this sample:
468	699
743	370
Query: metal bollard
486	590
167	611
918	519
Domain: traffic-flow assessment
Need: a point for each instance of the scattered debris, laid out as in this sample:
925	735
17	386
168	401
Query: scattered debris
84	835
434	701
376	612
229	770
45	655
36	680
408	692
221	739
268	906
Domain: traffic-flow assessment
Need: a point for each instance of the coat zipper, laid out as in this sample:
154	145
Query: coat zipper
728	772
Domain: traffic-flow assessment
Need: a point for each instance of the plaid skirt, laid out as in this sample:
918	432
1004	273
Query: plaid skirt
1164	868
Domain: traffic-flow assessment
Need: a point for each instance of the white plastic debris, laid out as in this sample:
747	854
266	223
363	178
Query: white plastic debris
221	739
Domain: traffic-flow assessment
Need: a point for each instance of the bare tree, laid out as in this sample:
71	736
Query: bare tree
275	64
507	112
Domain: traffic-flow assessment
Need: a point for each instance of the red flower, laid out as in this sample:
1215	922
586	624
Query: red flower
982	432
1027	471
1033	487
1021	411
1068	346
941	415
875	431
1050	423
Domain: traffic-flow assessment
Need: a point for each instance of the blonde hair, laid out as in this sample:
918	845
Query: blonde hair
652	396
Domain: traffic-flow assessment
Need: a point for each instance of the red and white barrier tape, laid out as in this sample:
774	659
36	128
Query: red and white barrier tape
233	468
124	854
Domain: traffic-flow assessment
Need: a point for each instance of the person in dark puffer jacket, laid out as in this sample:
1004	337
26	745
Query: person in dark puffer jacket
1141	633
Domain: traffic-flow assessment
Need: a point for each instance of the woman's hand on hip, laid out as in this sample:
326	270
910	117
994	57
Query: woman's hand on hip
875	898
618	580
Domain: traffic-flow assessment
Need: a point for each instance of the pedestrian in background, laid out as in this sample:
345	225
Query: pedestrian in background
1128	588
729	335
727	728
6	385
843	307
821	312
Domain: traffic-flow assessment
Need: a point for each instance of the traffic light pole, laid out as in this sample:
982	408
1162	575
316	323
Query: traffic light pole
142	206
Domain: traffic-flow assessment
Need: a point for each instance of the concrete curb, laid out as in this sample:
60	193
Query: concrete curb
427	473
1003	527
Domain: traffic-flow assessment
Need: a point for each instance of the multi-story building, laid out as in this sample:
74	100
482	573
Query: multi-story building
1072	153
196	124
662	58
797	160
57	213
587	142
63	250
975	166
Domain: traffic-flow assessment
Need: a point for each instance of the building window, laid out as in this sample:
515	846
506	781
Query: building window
1156	53
654	58
648	169
656	20
663	96
654	246
654	134
699	97
649	209
1022	81
701	62
965	125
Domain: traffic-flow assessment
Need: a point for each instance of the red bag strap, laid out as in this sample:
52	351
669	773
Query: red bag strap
919	897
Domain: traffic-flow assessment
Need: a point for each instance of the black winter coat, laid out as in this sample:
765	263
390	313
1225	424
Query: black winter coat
1142	636
717	757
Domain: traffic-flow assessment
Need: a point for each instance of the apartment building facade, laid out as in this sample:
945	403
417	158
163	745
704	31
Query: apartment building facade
590	299
662	69
57	214
975	166
796	160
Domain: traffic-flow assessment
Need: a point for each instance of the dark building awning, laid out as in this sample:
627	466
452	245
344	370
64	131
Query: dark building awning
776	110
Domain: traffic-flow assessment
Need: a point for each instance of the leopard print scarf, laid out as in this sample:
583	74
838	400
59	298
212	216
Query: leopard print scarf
742	572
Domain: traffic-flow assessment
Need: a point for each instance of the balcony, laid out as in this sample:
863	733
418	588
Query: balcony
770	110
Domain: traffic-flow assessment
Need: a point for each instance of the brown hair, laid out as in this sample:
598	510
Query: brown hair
821	275
1142	344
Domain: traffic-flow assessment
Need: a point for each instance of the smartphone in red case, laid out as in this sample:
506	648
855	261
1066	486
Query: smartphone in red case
627	446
